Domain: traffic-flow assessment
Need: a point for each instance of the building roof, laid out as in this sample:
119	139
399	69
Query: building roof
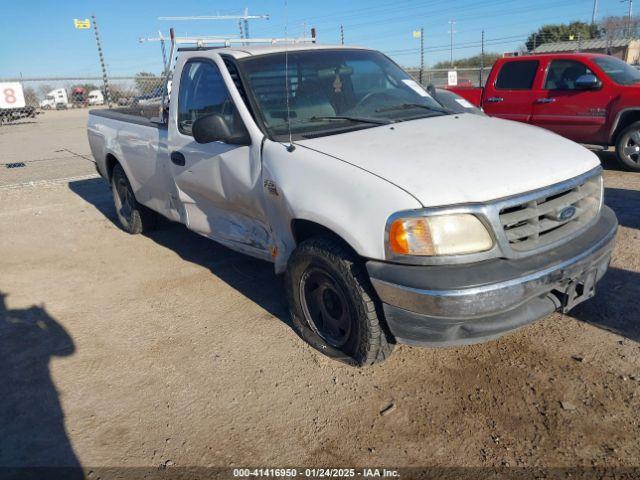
594	44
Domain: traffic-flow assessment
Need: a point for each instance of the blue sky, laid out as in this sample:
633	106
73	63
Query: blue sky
39	38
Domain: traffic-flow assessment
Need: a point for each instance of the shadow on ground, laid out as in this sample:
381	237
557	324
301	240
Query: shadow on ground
608	160
33	439
253	278
615	306
626	204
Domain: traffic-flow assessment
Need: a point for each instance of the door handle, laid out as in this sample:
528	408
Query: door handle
495	100
545	100
178	159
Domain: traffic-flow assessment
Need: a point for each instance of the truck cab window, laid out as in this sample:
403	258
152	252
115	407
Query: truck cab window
517	75
203	92
620	72
562	74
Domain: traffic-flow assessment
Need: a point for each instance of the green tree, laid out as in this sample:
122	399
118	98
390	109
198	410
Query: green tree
470	62
561	33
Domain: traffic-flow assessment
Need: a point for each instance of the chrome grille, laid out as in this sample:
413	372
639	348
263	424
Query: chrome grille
547	219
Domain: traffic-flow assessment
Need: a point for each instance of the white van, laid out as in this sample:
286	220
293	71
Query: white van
53	98
96	97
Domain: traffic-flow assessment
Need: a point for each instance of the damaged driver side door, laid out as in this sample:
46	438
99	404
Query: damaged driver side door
217	185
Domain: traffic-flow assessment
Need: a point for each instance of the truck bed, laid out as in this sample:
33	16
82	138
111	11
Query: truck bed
128	115
471	94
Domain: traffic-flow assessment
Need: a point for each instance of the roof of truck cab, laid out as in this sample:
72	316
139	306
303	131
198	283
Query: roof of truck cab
238	51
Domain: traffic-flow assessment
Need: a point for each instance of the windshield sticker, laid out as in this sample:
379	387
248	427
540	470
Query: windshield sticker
464	103
416	87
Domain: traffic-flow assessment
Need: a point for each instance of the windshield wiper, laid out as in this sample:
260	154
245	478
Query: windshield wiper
408	106
373	121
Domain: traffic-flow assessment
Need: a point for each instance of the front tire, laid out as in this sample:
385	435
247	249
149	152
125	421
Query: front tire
134	217
628	147
333	305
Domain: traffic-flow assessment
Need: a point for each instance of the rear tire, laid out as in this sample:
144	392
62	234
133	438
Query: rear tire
333	305
628	147
134	217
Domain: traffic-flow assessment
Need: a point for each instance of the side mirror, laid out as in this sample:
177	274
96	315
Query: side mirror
431	90
214	128
587	82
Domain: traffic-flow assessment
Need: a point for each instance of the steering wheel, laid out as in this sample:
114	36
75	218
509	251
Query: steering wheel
371	96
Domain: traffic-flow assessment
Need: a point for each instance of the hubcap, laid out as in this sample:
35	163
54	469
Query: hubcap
631	149
325	306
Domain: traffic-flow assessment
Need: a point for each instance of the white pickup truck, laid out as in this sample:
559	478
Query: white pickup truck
393	218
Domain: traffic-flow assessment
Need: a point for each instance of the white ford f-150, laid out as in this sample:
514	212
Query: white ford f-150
393	218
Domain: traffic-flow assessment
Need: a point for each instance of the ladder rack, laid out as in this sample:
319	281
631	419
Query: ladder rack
202	42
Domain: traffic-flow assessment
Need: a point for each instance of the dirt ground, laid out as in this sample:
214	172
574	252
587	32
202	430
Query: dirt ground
168	349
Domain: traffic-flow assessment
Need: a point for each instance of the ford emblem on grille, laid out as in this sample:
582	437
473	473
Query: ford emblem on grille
567	213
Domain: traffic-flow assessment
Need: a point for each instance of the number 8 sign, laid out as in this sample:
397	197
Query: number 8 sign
11	95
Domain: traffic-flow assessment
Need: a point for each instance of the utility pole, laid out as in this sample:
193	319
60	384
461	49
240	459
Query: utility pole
246	22
452	23
629	16
421	53
241	29
595	12
341	34
481	77
105	80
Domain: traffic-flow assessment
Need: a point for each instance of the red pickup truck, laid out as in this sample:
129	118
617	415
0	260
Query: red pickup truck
589	98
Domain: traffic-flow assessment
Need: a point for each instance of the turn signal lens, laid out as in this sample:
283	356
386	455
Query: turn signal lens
439	235
411	236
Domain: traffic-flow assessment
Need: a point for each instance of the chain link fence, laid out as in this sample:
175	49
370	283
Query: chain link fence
23	99
467	77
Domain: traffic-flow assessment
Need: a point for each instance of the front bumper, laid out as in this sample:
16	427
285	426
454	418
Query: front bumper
446	305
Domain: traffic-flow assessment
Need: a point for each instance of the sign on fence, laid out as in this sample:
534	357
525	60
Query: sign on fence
452	78
11	95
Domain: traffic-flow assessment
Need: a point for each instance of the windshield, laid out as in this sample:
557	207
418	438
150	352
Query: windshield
331	91
620	72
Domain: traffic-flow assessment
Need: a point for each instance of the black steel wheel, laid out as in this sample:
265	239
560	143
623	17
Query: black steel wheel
333	305
134	217
325	306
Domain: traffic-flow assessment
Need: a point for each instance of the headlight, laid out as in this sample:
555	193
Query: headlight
439	235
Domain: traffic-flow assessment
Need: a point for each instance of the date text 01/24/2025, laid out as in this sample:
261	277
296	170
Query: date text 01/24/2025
316	472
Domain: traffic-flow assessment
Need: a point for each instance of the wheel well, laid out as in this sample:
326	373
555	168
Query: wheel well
305	229
626	119
110	162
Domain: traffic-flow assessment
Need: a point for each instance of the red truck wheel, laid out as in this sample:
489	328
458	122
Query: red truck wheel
628	147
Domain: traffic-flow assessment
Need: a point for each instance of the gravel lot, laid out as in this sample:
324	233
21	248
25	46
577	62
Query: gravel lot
168	349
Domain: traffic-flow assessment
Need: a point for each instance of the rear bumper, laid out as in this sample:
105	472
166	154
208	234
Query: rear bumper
464	304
